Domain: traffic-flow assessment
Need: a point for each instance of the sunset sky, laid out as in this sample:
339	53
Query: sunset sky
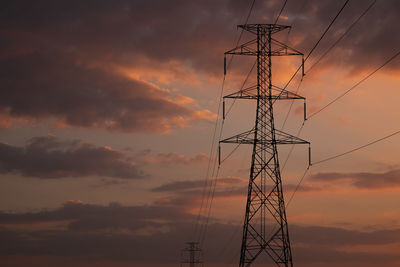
107	113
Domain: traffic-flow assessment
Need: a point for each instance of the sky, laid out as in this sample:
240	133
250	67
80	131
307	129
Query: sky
107	115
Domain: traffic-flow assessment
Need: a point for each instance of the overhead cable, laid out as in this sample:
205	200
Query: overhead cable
355	86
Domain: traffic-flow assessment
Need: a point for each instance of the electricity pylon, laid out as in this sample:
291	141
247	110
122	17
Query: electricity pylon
265	229
191	255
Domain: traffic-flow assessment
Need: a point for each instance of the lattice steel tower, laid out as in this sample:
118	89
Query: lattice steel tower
265	229
191	255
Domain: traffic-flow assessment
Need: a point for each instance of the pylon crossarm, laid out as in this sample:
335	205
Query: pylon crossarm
285	138
242	138
274	28
247	93
283	49
251	93
247	49
283	94
281	138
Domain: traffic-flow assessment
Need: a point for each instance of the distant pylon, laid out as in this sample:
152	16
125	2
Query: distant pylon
191	255
265	229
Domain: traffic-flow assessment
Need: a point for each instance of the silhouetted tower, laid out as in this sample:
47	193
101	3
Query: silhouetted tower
191	255
265	229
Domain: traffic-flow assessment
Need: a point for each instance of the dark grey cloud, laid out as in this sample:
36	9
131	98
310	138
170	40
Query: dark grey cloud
113	232
50	157
369	43
197	32
178	186
362	180
39	86
334	236
160	30
195	184
228	186
132	234
187	194
58	62
147	156
58	59
85	217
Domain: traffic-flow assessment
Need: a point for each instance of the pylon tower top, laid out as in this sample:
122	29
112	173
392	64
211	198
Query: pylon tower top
251	48
274	28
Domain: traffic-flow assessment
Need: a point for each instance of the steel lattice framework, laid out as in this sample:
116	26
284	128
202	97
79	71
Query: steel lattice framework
265	227
191	255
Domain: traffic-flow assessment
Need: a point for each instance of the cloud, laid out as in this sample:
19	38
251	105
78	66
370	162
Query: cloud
131	234
196	184
49	157
362	180
334	236
306	187
364	48
63	61
179	186
66	60
170	158
227	186
82	96
189	194
98	232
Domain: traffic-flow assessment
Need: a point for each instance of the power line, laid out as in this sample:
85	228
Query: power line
241	88
342	36
298	87
291	149
291	105
354	86
355	149
327	51
280	12
241	32
227	248
211	193
337	156
297	186
327	29
209	161
237	146
203	236
295	19
316	44
212	188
